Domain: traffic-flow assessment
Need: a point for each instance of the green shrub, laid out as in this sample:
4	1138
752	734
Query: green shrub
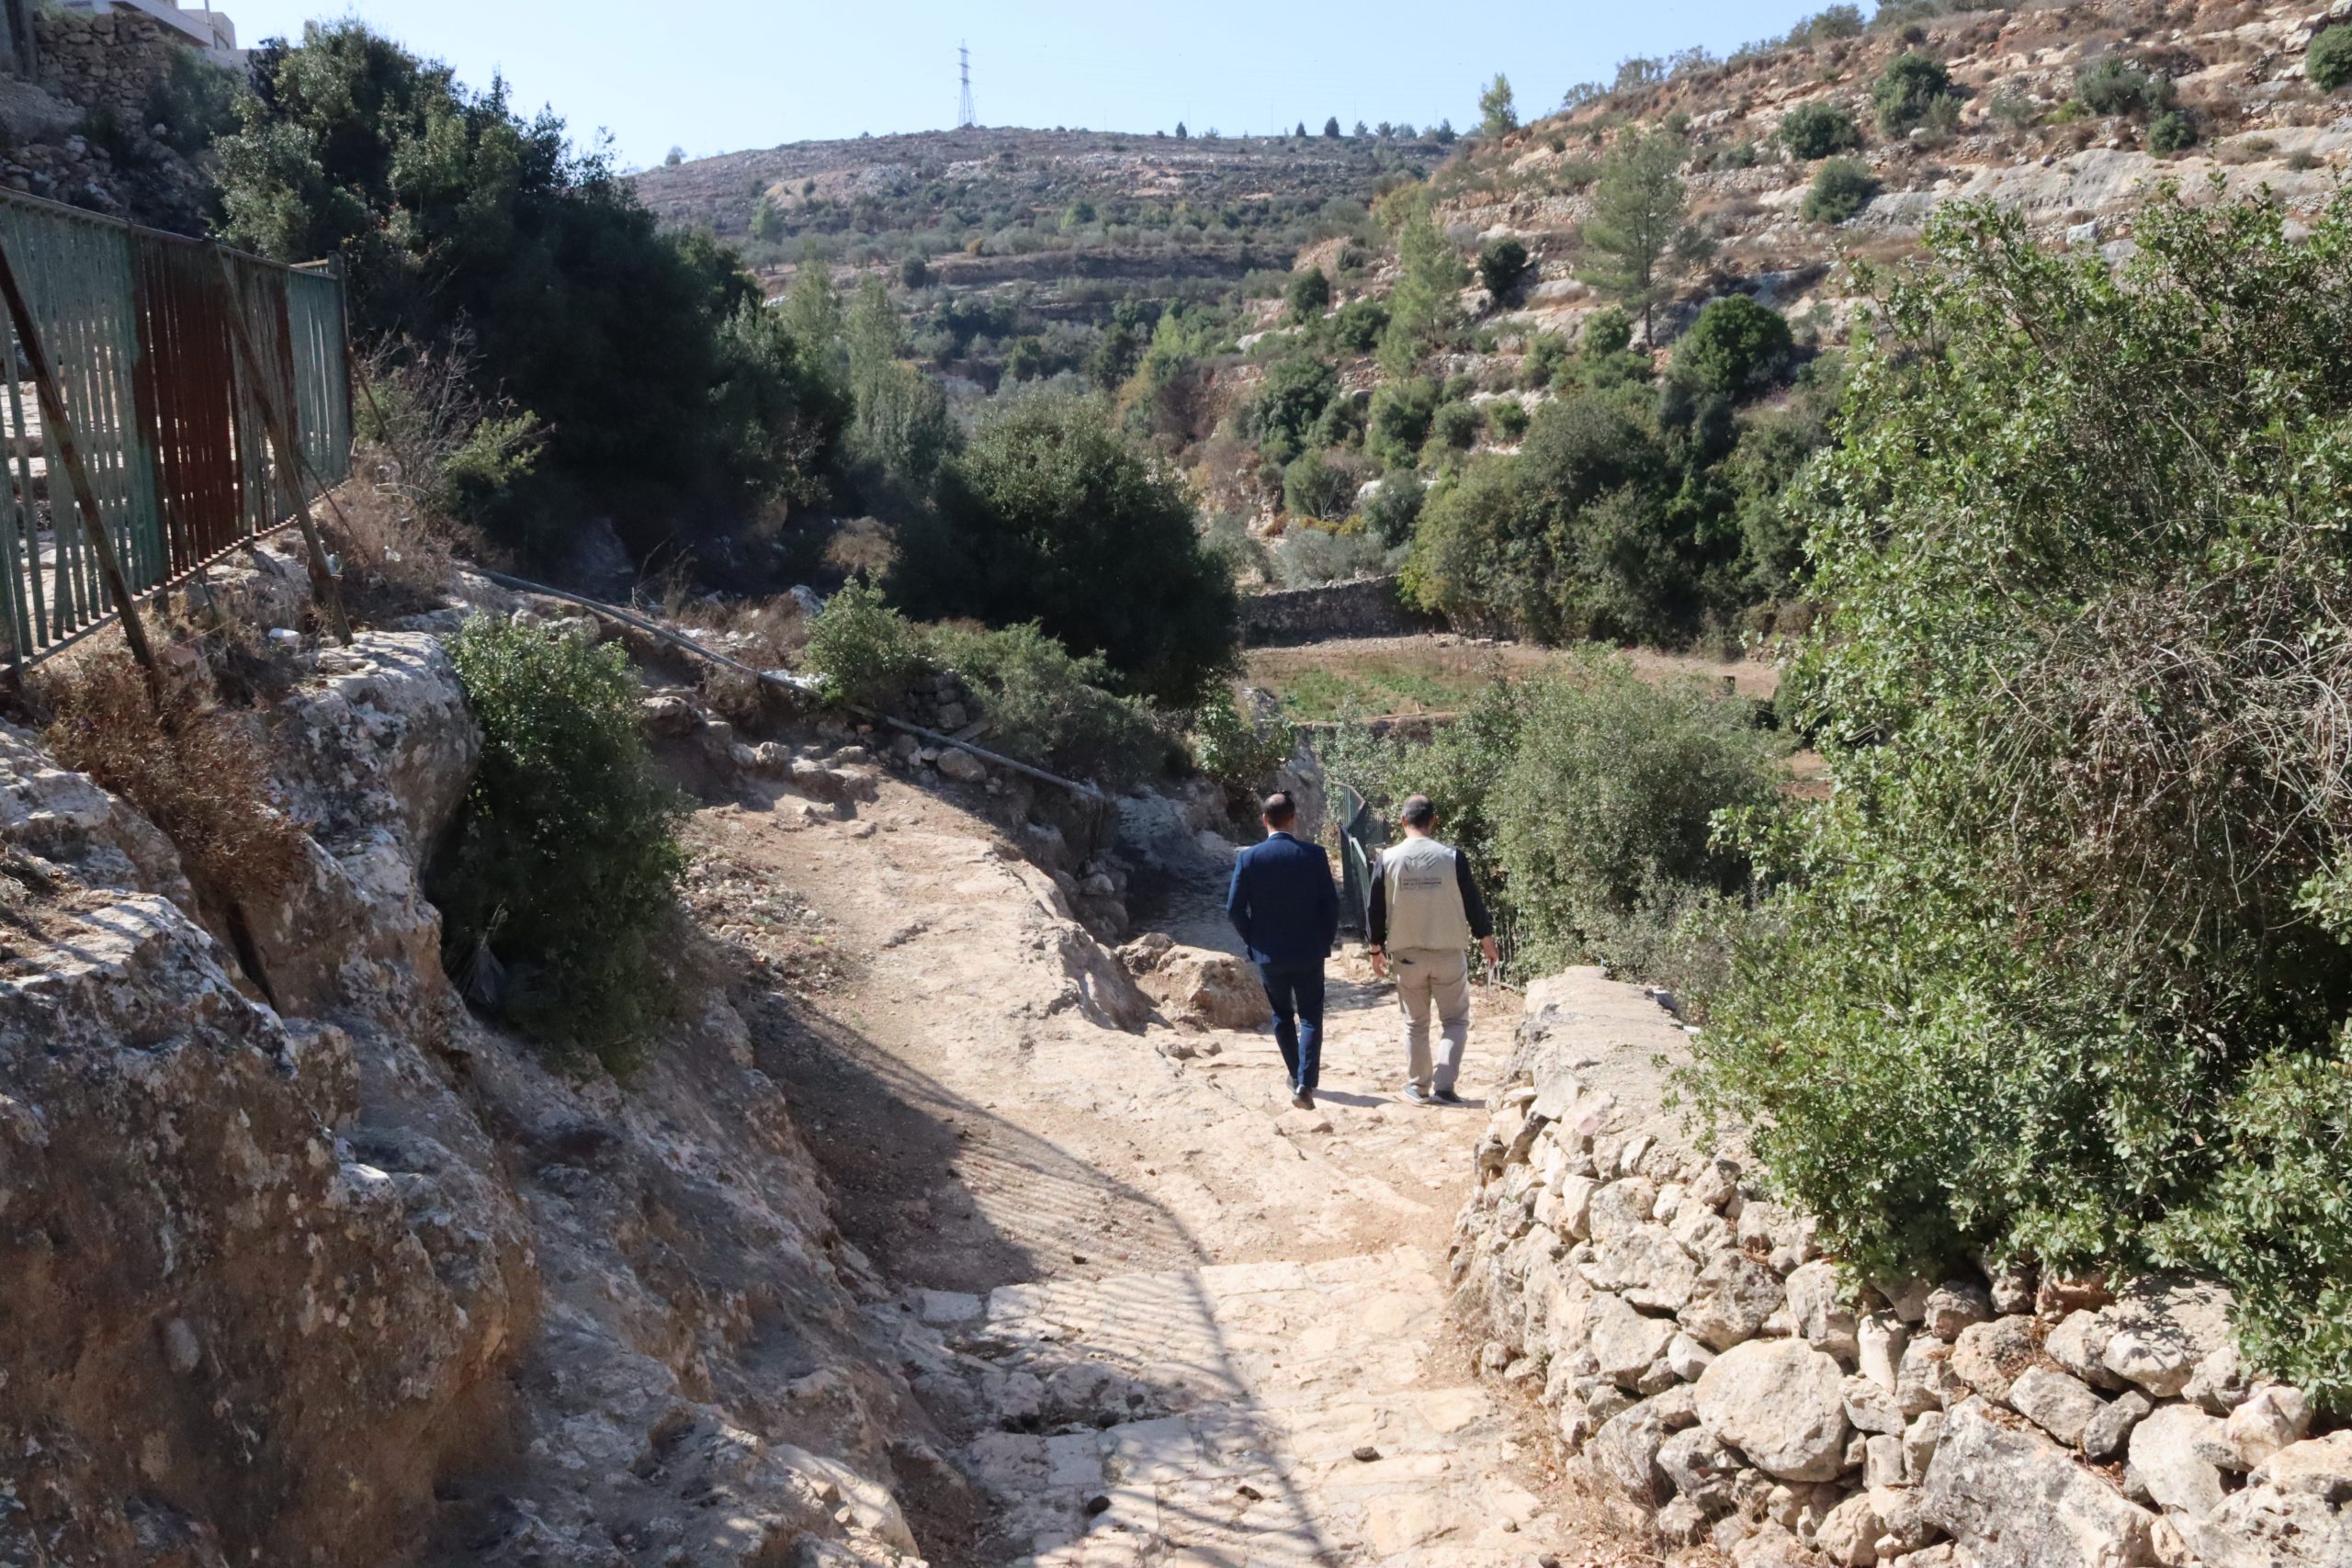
195	103
1604	817
1357	325
1906	90
1509	418
1455	424
1315	487
2328	61
1735	345
1819	128
1050	514
1502	262
565	859
1306	557
866	651
2112	85
1840	188
1233	750
2172	132
1049	708
1606	330
1392	508
1288	402
1309	294
2071	910
1399	421
1547	355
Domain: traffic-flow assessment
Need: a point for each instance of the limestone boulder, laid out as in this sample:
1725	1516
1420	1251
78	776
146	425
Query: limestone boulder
1822	1319
2176	1454
2062	1405
2013	1499
1989	1357
2295	1512
2162	1327
1196	985
1873	1525
1782	1403
1624	1343
1625	1451
1734	1297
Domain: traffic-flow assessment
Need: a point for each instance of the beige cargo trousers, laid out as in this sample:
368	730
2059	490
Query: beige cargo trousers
1433	978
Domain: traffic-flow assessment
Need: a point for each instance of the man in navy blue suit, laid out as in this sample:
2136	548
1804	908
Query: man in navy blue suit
1283	903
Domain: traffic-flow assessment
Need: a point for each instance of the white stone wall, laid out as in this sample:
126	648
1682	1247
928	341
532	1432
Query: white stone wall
1704	1360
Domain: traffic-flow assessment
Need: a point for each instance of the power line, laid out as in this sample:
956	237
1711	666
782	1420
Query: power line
965	118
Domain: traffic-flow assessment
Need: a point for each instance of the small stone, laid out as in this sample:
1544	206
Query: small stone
1366	1454
1097	1504
1919	1441
2108	1431
1925	1380
1822	1320
1879	1339
2079	1345
1954	1305
1988	1355
2060	1404
962	766
182	1352
2276	1416
2171	1452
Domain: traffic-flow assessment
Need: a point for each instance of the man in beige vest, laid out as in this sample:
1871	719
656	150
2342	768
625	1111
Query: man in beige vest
1425	910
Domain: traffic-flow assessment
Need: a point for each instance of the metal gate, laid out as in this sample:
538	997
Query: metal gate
173	358
1362	836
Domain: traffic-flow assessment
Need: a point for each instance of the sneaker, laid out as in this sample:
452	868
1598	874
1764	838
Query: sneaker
1417	1095
1446	1096
1302	1101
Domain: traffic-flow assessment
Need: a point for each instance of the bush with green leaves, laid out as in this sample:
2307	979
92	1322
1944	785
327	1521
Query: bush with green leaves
2113	84
2174	130
1508	416
1290	398
1399	420
564	862
865	651
1050	514
1841	188
1547	355
1307	556
2058	971
1309	294
1357	325
1314	486
1736	346
1818	128
1502	261
1232	749
1910	86
1048	707
2328	61
1393	507
1455	425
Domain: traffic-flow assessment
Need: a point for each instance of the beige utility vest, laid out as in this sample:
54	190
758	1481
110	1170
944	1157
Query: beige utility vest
1423	895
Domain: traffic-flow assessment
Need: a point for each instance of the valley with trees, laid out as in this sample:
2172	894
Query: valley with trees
1850	534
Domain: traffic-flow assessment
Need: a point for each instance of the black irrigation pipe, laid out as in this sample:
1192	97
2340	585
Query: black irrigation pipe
769	678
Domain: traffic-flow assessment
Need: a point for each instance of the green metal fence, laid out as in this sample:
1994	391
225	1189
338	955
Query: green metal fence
170	402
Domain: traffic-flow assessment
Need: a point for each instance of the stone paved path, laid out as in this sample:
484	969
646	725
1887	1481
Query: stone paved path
1188	1307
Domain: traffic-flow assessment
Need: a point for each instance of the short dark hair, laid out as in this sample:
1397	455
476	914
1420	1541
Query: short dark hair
1417	812
1280	809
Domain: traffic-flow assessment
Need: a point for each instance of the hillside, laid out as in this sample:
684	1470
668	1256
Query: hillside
2023	137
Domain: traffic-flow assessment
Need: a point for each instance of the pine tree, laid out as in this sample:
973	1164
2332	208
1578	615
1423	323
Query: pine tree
1430	279
1638	221
1331	127
1498	115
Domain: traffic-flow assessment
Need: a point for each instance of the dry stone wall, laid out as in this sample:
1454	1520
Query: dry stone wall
1707	1363
1367	607
111	60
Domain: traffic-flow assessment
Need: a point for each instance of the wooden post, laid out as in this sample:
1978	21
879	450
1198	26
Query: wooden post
324	587
69	452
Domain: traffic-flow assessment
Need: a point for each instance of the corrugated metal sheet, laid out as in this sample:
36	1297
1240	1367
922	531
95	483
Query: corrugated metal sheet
171	424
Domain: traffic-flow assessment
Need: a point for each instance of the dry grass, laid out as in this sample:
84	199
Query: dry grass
397	556
187	765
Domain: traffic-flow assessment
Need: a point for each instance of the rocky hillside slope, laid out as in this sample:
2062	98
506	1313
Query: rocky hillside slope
355	1279
2022	138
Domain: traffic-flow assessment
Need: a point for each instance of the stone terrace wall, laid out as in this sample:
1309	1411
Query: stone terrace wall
1702	1358
1368	607
111	61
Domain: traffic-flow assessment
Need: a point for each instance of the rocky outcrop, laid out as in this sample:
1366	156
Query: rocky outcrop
1194	985
363	1281
1711	1367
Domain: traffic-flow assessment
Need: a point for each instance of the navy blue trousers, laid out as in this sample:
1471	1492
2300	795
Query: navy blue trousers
1296	993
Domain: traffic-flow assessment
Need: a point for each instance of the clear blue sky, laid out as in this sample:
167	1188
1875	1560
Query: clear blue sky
720	75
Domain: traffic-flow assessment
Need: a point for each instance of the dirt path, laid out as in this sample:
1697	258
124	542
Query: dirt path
1203	1328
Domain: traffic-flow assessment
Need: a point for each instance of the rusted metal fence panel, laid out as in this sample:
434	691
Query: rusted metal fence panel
172	425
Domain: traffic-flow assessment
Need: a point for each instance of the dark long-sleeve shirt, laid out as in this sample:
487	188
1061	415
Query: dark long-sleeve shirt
1473	905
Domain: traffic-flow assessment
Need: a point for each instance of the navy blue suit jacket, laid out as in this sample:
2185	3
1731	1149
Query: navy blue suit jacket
1283	903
